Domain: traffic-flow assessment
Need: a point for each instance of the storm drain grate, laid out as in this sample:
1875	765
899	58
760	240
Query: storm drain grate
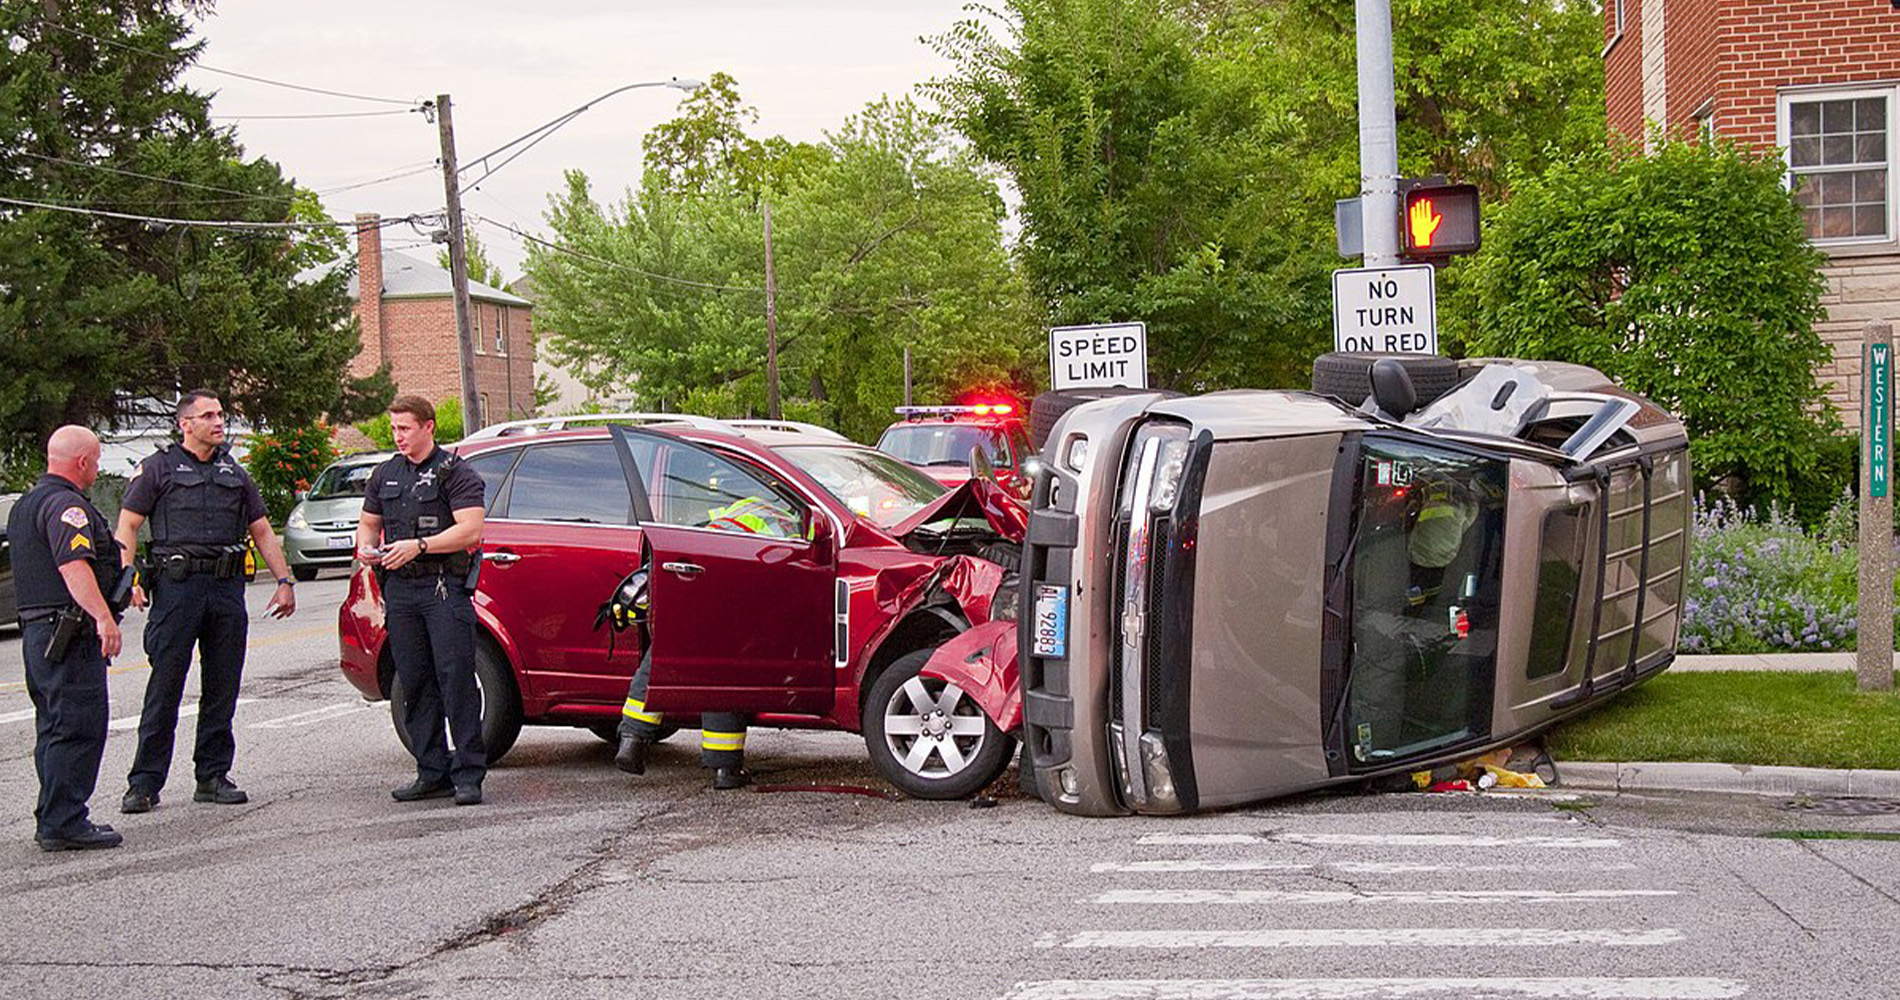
1843	807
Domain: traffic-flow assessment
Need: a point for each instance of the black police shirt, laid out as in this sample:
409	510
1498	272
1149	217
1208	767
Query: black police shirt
461	487
74	534
147	487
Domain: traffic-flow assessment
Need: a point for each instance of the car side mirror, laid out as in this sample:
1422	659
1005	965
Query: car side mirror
1392	388
302	495
824	540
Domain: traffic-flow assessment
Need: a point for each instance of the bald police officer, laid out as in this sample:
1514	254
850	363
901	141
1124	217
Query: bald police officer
64	564
422	527
202	506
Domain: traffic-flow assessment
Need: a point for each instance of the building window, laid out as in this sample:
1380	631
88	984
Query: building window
501	330
475	326
481	404
1840	163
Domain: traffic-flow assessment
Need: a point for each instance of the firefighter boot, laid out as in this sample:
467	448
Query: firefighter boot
726	779
632	755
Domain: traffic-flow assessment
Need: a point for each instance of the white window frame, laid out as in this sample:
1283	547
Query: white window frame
475	324
1784	127
501	331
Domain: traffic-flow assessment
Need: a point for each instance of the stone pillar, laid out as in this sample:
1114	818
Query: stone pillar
1873	665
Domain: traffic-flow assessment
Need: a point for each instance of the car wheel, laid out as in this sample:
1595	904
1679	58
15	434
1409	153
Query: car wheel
501	704
303	574
1348	374
927	736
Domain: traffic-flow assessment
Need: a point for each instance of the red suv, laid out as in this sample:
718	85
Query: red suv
821	618
941	439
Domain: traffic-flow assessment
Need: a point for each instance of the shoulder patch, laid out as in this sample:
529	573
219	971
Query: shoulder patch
75	516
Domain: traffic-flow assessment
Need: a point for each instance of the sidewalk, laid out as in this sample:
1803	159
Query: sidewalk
1738	778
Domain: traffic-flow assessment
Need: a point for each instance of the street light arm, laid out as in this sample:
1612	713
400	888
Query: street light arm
545	129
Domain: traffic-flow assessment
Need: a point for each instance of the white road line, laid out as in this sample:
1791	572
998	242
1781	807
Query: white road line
312	717
1379	989
1328	897
17	716
1354	867
1379	840
1370	937
184	712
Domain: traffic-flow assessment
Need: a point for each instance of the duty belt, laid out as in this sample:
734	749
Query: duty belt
178	565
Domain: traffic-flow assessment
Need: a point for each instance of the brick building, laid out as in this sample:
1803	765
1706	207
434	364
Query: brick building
1819	79
410	324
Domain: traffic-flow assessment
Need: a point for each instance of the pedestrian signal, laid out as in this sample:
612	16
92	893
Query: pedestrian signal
1437	221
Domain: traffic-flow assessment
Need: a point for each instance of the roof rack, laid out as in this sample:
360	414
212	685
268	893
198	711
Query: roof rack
786	427
543	425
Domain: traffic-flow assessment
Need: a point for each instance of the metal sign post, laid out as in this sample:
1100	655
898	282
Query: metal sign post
1873	664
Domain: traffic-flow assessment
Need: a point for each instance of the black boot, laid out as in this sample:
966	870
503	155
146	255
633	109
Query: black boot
726	779
632	755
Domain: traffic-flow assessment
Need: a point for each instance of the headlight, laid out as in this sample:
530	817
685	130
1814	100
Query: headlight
1168	474
297	520
1163	477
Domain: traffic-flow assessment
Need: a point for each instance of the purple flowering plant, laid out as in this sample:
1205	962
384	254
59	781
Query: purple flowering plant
1762	583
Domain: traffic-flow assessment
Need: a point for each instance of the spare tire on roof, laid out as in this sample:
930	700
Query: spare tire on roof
1049	407
1348	374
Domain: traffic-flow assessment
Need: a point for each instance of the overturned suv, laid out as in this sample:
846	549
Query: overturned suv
1240	595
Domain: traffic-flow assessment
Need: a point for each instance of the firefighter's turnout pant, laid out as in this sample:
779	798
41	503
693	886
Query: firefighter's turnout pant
721	734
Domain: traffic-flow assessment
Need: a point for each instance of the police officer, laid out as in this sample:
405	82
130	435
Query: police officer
721	734
64	562
422	522
202	506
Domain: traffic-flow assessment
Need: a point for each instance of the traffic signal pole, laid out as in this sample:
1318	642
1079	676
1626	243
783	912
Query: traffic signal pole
1378	134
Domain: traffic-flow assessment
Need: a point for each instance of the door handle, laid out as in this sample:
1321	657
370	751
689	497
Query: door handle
502	558
683	568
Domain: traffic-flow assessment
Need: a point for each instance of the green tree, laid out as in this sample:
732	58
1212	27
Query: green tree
448	425
100	312
480	268
1686	274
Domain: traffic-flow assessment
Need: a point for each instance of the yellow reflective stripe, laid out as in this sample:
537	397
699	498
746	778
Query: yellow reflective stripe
636	709
1437	511
709	740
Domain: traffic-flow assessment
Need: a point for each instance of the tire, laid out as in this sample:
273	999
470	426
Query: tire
1348	374
303	574
978	751
1045	410
501	703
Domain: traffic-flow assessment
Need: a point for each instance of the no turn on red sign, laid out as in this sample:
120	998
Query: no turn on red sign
1390	310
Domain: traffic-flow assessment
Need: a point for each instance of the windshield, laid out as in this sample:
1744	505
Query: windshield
1427	552
341	481
871	484
925	443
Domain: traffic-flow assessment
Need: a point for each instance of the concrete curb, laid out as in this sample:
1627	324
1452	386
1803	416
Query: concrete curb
1732	778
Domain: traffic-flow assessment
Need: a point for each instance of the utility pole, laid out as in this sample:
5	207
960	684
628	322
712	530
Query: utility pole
1378	134
771	325
906	374
458	269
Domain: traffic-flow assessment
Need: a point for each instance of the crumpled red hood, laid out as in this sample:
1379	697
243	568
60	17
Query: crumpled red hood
974	497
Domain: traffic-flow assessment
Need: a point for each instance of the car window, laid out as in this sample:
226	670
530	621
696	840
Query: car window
1019	440
925	443
493	467
578	481
874	485
699	489
341	480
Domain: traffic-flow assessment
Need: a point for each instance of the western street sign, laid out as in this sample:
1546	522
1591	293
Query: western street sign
1098	356
1879	390
1391	310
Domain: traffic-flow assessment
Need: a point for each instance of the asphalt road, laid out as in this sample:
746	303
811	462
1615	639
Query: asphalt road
578	881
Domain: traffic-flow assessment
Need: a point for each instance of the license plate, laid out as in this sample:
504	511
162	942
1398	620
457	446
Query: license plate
343	542
1051	636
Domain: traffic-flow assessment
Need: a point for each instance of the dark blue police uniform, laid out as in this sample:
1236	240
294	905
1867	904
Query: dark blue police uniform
54	524
429	615
200	514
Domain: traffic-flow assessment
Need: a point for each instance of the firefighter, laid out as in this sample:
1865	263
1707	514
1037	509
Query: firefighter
64	563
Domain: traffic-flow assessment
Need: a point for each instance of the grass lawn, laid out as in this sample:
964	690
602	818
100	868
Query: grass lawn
1741	717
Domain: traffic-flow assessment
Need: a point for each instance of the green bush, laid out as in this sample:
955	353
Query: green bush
448	426
1685	274
283	462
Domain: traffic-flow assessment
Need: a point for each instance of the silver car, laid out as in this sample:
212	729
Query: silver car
321	529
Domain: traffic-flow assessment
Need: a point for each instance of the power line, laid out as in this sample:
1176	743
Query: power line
616	265
232	224
388	177
333	114
149	177
172	54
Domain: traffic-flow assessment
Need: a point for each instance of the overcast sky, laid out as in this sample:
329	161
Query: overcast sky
510	66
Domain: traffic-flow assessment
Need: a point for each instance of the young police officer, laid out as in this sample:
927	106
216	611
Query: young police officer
422	525
64	564
202	506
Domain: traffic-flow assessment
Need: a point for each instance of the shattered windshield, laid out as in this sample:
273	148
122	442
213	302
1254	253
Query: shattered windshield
873	485
1427	553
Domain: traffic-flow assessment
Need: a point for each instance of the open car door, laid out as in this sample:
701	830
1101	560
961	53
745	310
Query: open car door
741	587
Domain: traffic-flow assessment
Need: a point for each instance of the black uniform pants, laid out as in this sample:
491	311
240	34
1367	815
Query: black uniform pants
69	705
431	625
721	734
206	612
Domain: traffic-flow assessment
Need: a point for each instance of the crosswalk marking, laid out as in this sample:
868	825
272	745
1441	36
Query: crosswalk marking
184	712
1352	867
1371	937
1251	897
315	715
1379	840
1501	988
